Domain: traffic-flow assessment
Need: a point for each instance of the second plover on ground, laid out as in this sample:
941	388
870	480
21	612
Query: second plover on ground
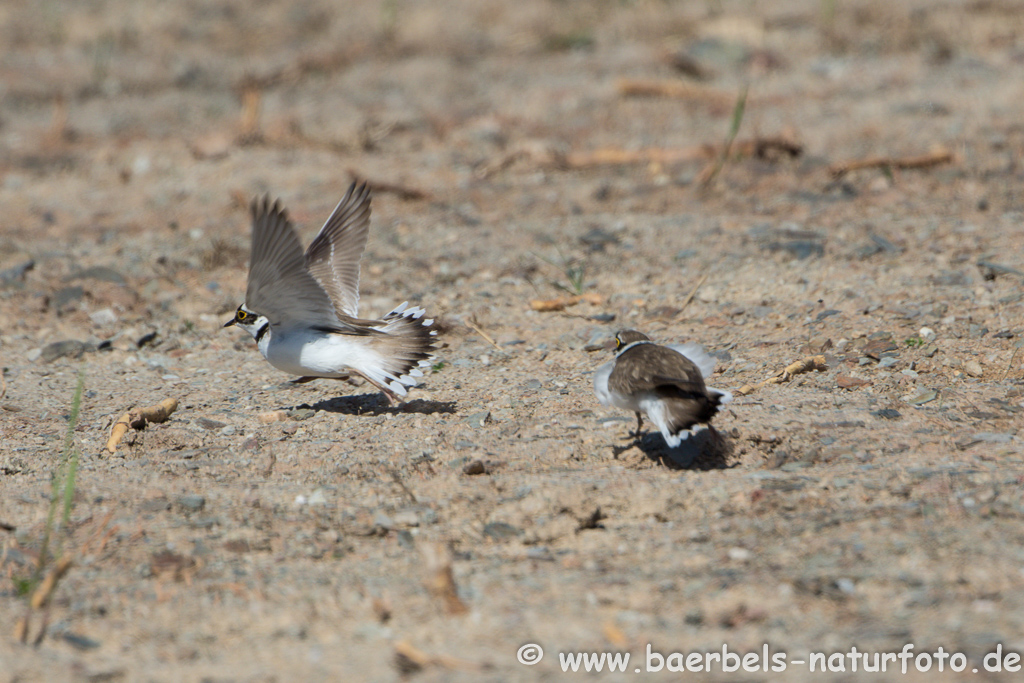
666	383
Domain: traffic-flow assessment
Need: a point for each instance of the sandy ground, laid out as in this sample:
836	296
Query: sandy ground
874	503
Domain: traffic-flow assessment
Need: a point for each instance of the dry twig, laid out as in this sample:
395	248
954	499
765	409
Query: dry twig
138	418
939	156
383	187
718	100
693	293
547	156
411	657
806	365
1009	365
43	593
440	581
472	324
562	302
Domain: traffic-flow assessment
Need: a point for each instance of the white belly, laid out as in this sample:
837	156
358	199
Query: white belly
316	354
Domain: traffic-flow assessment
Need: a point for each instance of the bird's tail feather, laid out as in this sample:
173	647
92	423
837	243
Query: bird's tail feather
406	346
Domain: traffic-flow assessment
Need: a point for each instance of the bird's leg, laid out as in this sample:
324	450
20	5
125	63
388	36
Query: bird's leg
391	395
639	424
716	438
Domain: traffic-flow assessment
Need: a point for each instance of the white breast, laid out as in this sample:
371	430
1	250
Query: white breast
318	354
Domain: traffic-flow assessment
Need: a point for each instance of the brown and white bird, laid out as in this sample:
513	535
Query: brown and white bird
664	382
302	307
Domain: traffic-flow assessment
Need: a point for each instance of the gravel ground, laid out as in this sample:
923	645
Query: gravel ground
872	503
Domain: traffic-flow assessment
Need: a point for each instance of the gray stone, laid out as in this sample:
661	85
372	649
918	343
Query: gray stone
207	423
190	502
104	316
73	348
887	414
924	397
994	437
501	531
66	296
98	273
477	420
16	274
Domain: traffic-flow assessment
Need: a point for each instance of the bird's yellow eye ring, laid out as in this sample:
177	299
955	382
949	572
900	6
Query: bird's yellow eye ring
241	315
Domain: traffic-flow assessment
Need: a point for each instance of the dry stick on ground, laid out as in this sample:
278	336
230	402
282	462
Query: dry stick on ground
40	599
562	302
716	99
382	187
1009	365
939	156
806	365
252	106
440	580
314	62
472	324
693	293
760	147
138	418
542	155
411	658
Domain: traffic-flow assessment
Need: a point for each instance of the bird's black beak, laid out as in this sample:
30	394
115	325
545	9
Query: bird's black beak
230	323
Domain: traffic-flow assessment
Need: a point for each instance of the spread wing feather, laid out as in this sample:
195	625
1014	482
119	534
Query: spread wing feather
280	285
333	256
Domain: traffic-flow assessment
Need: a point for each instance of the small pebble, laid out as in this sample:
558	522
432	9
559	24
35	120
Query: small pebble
73	348
740	554
475	467
500	531
190	502
406	518
927	334
299	414
924	397
104	316
973	368
478	420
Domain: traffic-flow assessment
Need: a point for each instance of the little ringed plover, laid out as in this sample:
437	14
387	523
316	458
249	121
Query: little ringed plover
664	382
302	307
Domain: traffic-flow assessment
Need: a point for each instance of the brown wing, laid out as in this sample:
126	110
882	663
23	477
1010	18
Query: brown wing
648	367
333	256
669	375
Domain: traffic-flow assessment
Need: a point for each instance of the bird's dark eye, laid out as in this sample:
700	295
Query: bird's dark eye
618	342
241	315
